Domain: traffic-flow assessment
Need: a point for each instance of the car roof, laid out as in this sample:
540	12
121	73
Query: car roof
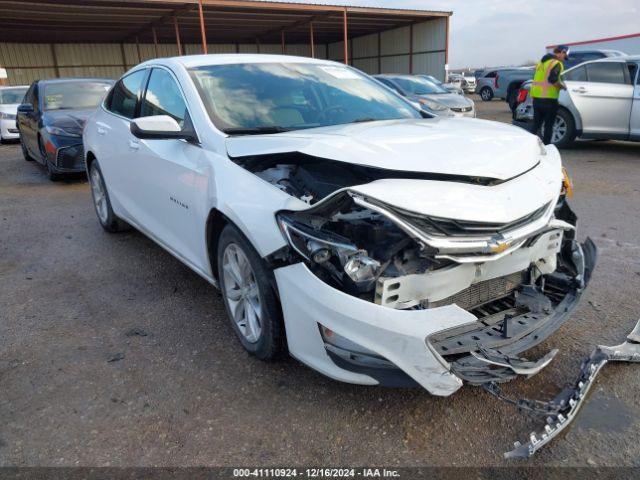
622	58
71	79
194	61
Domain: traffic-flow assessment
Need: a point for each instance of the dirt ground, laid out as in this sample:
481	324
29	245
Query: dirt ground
73	297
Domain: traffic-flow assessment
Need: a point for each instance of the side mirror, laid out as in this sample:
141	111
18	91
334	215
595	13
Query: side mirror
25	108
161	127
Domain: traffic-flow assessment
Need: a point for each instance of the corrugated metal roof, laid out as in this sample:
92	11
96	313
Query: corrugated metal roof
227	21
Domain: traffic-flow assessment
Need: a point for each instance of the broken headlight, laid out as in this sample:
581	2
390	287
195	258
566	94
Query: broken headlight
339	256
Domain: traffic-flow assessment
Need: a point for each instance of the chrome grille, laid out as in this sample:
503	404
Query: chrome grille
446	227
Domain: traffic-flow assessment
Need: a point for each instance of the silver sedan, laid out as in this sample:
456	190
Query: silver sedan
602	101
428	96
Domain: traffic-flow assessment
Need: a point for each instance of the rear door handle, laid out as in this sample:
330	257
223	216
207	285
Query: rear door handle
101	131
579	90
133	145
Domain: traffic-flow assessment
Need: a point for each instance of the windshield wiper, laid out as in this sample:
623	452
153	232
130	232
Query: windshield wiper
255	130
365	119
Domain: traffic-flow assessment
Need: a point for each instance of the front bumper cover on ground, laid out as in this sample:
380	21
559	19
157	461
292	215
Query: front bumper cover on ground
560	411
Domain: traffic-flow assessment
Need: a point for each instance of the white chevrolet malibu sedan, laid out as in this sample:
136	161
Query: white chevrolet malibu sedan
377	246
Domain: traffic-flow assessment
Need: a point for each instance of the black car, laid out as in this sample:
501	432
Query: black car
52	118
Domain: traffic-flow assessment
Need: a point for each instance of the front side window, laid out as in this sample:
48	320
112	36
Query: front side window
578	74
124	96
11	96
253	96
163	97
606	72
81	95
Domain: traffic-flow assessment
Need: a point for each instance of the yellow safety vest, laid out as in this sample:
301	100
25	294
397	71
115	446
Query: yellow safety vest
541	87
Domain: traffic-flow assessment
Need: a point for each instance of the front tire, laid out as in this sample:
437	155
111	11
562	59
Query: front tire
250	301
51	173
486	94
25	153
564	129
107	218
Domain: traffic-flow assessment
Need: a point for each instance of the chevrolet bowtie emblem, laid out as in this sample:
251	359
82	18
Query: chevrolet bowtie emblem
499	246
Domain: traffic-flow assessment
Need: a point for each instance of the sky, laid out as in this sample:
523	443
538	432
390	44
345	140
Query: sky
514	32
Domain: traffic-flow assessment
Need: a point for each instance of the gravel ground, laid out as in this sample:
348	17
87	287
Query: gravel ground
72	298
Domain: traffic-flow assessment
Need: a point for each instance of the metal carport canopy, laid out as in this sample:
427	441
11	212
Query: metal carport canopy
195	21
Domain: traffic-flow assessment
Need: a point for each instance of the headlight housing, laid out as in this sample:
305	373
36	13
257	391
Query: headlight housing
351	247
435	107
53	130
338	255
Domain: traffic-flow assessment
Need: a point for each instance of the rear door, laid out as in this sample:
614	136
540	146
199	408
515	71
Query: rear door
171	176
114	138
603	98
635	109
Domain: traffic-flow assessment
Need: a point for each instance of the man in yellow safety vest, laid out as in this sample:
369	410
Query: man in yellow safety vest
547	83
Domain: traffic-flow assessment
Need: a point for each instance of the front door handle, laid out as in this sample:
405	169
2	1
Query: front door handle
579	90
133	145
101	131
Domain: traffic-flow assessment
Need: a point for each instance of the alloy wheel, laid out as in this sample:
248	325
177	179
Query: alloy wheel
99	195
559	129
242	292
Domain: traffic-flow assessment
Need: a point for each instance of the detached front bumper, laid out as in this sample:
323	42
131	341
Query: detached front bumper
432	347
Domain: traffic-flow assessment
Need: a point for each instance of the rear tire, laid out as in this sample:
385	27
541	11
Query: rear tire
249	299
25	153
564	129
486	94
107	218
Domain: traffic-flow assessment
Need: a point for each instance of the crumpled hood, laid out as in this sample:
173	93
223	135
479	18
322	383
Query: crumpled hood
70	120
452	146
451	100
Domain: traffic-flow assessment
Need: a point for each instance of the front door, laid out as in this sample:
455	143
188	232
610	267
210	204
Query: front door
28	122
603	99
171	175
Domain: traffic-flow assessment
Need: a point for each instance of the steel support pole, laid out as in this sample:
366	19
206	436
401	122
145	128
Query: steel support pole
138	50
155	41
446	48
345	36
313	52
411	49
177	28
203	33
282	46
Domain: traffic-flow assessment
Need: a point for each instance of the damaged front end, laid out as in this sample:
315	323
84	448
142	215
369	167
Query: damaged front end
476	295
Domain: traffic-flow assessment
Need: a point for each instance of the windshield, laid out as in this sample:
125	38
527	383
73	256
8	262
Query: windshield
74	95
271	97
11	96
418	86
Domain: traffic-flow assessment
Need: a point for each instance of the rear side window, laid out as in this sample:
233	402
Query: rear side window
123	98
578	74
163	97
607	72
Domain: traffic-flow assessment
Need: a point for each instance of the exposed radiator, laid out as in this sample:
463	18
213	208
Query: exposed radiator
481	292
